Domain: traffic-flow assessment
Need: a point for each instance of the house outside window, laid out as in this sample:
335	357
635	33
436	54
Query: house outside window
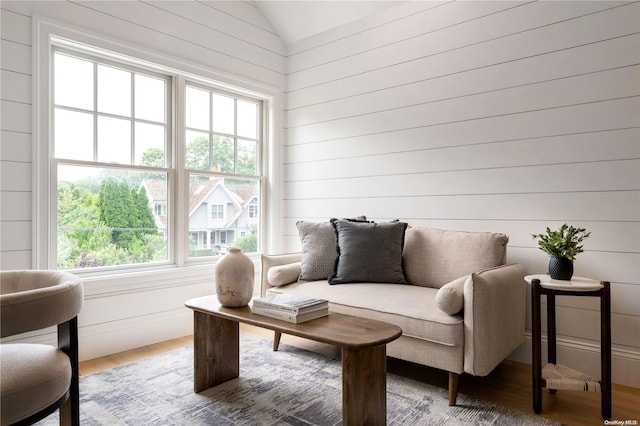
113	168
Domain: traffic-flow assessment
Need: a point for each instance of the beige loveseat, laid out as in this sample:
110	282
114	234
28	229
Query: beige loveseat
462	308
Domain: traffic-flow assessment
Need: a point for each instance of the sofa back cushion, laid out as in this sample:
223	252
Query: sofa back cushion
434	257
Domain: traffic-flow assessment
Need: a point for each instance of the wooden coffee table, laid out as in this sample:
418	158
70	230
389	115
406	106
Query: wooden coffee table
216	352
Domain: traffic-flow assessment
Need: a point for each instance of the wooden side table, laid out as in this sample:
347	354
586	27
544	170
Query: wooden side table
554	379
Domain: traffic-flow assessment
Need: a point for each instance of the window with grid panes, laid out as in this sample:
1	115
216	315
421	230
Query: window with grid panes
222	148
115	174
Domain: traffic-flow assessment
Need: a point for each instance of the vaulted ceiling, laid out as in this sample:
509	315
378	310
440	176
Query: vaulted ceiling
299	19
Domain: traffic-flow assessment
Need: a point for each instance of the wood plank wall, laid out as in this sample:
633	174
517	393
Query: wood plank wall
483	116
480	116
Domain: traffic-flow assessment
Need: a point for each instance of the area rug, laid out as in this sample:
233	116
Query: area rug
289	387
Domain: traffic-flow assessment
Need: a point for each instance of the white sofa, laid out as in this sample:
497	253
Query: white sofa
462	308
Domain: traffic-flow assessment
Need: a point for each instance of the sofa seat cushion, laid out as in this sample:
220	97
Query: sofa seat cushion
411	308
34	376
434	257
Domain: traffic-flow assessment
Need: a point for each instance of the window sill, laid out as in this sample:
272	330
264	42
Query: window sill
134	282
96	286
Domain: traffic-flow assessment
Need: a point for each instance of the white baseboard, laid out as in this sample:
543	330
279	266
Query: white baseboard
105	339
585	357
119	335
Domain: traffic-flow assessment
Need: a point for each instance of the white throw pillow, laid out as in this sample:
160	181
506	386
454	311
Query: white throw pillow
450	297
284	274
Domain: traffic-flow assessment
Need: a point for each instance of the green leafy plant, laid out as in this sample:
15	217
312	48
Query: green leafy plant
562	243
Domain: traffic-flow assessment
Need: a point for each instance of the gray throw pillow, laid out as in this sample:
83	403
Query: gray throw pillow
318	246
369	252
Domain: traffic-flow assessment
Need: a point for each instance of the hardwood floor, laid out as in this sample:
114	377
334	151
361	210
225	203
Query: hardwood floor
508	385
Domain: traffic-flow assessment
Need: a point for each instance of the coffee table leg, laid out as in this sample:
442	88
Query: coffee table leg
216	351
364	386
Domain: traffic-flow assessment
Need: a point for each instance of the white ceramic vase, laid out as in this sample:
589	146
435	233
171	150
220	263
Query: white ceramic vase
234	279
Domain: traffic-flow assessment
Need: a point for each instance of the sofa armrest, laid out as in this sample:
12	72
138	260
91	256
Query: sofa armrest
269	261
494	317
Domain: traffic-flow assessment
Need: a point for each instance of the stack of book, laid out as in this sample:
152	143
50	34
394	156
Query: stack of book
290	307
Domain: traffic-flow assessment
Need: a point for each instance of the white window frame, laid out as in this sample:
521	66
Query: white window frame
46	33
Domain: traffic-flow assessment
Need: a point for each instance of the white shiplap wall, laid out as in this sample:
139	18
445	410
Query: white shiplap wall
483	116
230	40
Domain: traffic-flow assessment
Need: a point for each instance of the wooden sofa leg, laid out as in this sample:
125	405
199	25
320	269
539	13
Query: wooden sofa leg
453	387
276	340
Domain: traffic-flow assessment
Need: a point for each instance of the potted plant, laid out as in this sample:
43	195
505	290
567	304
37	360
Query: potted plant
562	246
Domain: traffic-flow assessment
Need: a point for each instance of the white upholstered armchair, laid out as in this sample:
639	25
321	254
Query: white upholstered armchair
39	379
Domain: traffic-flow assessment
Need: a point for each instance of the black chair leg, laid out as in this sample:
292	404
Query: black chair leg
68	343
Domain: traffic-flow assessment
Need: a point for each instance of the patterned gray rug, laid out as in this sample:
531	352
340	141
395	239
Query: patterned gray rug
289	387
